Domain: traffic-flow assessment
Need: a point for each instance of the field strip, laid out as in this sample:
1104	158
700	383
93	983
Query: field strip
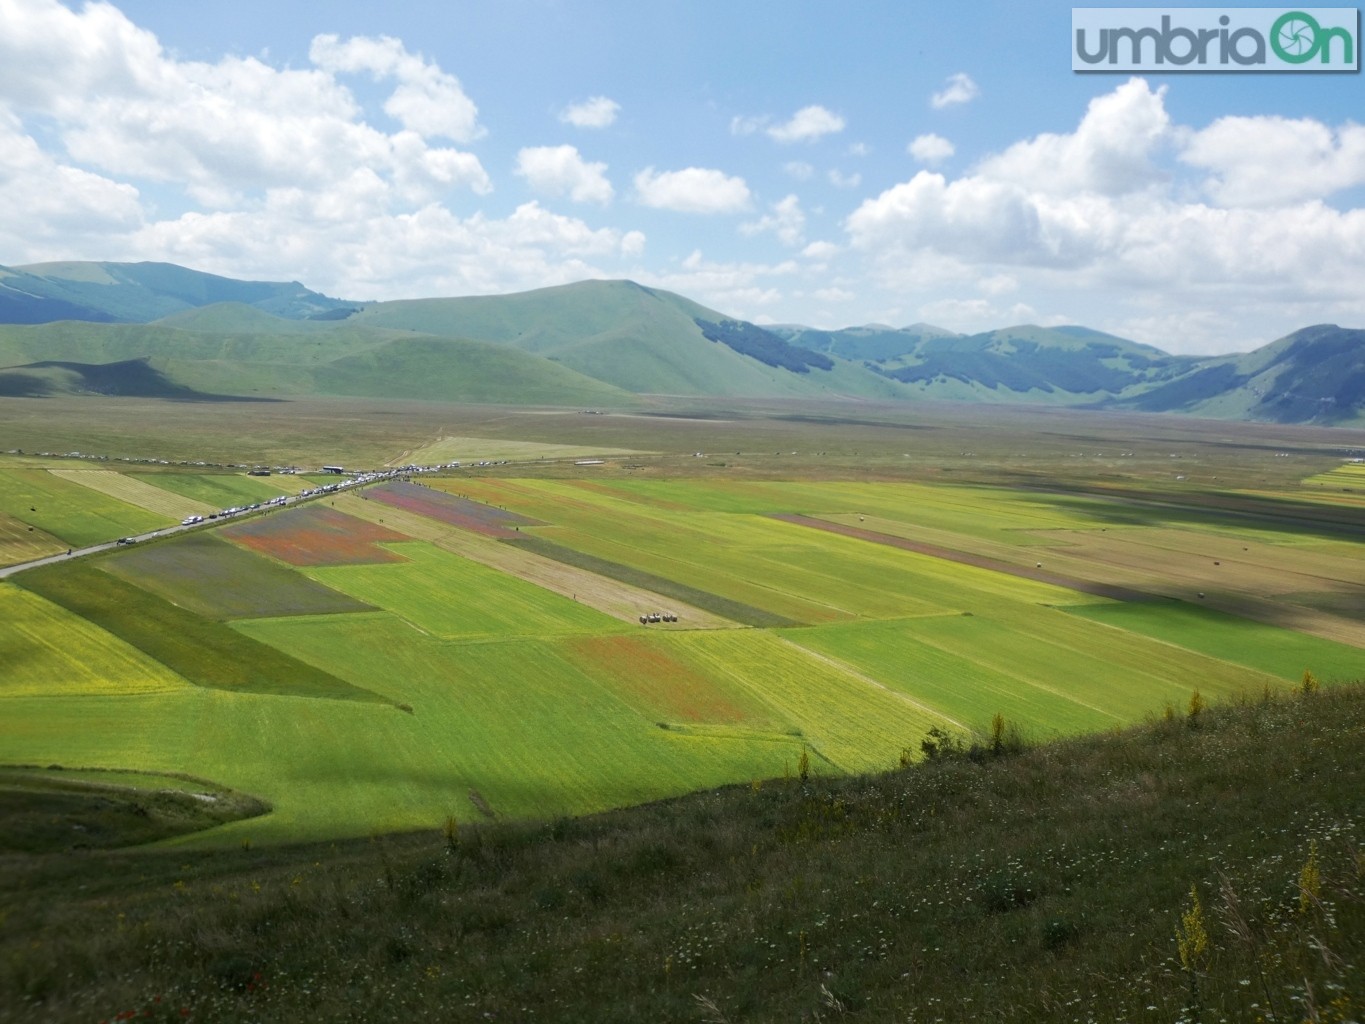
467	449
135	492
619	600
1115	593
847	669
21	543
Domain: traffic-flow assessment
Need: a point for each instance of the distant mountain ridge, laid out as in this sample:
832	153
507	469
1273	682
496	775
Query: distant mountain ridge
140	293
161	330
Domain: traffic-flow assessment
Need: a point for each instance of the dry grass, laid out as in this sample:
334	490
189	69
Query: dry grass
135	492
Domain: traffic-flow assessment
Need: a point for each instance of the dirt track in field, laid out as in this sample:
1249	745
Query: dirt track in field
619	600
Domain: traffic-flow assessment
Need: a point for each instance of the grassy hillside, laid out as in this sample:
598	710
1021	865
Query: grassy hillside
139	292
1204	867
256	355
639	339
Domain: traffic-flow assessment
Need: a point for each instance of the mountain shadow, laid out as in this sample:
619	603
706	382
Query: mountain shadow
129	378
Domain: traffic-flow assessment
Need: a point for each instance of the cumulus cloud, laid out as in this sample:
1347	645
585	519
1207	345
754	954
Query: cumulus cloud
122	106
807	125
50	205
959	88
930	149
1267	161
426	99
562	171
799	169
597	112
1093	212
1110	152
692	190
839	179
429	251
785	219
268	171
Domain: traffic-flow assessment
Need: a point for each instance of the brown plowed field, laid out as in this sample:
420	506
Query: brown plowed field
316	536
450	508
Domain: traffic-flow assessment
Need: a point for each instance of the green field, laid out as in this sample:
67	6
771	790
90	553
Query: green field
20	542
448	596
73	514
364	697
219	580
1282	653
221	490
48	651
204	652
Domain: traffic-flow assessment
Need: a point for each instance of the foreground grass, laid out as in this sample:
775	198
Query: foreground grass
1046	885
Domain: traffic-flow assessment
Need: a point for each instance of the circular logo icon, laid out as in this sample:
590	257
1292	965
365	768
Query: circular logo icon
1295	37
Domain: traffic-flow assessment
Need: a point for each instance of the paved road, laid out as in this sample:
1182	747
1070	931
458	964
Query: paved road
167	531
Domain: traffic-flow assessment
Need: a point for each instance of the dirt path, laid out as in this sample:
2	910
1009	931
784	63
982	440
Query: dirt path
619	600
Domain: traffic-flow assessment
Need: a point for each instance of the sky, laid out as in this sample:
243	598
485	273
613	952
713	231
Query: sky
783	162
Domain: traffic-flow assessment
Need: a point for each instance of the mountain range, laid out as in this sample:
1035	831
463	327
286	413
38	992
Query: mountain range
157	329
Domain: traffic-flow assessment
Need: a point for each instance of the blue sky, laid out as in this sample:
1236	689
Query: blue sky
782	162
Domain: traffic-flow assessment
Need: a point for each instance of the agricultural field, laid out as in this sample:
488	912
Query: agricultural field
473	449
74	515
449	508
135	492
315	535
218	580
470	646
447	596
214	491
20	542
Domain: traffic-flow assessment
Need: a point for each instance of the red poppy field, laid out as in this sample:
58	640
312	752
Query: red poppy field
316	536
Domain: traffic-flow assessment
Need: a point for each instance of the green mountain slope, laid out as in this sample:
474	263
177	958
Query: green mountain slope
160	329
1315	375
639	339
154	360
139	292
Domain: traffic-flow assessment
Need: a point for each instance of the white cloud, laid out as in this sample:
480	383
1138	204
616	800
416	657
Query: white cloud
807	125
735	288
426	100
799	169
930	149
597	112
562	171
821	251
429	251
1091	213
959	88
122	106
692	190
1110	152
50	206
1266	161
786	221
840	180
268	172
